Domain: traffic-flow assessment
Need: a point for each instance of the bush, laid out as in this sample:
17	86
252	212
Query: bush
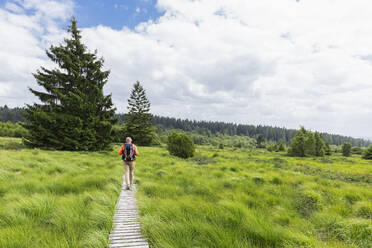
327	149
368	153
202	159
260	140
11	145
346	149
281	147
8	129
357	150
271	148
180	145
220	146
258	180
276	181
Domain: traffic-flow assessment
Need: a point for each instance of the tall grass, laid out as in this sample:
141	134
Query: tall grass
220	198
57	199
240	198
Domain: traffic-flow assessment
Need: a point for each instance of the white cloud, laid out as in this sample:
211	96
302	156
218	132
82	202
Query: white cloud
23	43
14	7
283	63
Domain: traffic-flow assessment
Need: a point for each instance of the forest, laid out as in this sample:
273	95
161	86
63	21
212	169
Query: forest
212	128
209	128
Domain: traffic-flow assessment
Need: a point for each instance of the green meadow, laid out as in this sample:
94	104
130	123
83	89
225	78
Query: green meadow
56	199
243	198
220	198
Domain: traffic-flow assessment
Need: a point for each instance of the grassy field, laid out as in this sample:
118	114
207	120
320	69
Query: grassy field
220	198
56	199
226	198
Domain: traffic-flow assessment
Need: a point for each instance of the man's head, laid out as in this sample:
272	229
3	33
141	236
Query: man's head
128	140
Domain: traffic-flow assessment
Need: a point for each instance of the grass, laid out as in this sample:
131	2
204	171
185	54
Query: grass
56	199
239	198
220	198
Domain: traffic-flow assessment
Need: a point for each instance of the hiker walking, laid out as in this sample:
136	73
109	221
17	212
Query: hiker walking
128	153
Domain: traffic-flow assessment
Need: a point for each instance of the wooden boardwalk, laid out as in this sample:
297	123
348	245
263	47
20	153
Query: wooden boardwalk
126	230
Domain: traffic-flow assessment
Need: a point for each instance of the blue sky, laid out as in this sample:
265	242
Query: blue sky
112	13
115	13
283	63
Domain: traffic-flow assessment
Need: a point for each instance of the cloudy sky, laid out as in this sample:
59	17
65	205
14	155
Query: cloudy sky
275	62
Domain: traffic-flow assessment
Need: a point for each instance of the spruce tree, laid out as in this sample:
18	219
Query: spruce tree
281	146
297	146
319	145
368	153
346	149
310	144
74	114
302	144
327	148
260	140
139	125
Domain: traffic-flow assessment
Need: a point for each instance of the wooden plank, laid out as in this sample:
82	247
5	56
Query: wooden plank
126	230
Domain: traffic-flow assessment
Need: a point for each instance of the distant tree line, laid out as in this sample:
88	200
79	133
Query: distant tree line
210	128
11	114
9	129
274	134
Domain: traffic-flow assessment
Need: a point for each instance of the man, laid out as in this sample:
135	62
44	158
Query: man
129	152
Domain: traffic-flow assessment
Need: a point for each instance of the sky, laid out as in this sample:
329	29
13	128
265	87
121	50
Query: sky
285	63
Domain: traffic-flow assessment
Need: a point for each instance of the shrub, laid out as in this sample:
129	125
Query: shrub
238	145
368	153
271	148
346	149
11	145
357	150
327	148
276	180
220	146
258	180
202	159
180	145
260	140
281	147
276	148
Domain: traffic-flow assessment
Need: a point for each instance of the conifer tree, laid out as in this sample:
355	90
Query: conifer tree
74	114
302	144
319	145
281	146
327	148
139	125
368	153
297	146
260	140
346	149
